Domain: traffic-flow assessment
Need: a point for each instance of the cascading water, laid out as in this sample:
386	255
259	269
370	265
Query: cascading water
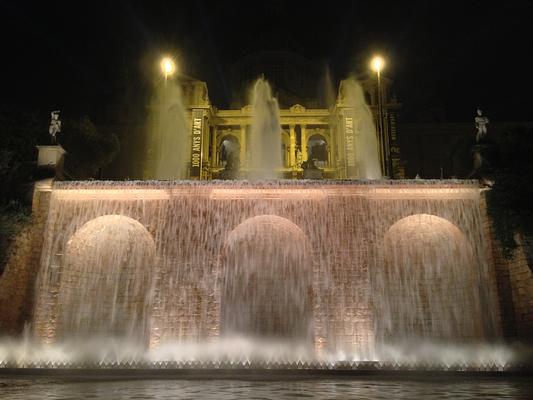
255	258
274	270
108	259
168	134
424	286
366	141
266	133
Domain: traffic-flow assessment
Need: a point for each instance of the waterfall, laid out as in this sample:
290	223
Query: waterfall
327	268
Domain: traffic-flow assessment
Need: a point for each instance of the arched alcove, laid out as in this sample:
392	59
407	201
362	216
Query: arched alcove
267	280
426	285
317	146
106	279
229	152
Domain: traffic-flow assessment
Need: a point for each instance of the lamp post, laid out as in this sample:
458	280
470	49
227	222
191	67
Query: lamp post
377	65
168	67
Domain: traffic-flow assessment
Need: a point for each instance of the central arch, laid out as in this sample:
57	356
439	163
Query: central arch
229	152
318	150
267	280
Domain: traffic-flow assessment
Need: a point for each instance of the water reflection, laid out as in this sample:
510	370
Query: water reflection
229	389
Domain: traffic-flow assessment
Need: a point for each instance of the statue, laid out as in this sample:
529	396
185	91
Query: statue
55	125
231	154
299	158
481	124
480	150
311	171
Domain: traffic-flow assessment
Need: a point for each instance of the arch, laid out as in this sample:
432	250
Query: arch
267	280
229	151
426	284
106	279
318	149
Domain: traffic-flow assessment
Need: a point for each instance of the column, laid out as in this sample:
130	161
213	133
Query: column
292	151
303	141
214	162
242	152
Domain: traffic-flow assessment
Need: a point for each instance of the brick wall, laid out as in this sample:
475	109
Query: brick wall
521	290
18	279
514	283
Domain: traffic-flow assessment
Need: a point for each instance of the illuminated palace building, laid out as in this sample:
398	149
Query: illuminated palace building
317	123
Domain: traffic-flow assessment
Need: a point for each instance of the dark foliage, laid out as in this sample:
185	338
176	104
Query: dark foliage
511	197
13	217
88	150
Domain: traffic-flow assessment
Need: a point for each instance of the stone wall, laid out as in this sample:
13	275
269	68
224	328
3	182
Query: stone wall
522	290
190	223
18	280
514	281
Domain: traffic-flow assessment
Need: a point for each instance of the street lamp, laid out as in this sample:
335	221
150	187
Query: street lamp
377	64
168	66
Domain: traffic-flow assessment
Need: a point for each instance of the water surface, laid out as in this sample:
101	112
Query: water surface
448	388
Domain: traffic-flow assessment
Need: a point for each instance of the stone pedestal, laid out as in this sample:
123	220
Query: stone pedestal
313	173
50	161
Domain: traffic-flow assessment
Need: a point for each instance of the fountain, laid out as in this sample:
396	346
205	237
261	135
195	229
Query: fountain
365	144
266	132
168	134
315	274
268	274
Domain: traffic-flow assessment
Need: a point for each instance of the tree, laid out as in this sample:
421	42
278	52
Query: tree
88	148
20	133
511	196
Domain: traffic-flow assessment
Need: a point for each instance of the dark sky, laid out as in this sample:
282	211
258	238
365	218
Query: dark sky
85	57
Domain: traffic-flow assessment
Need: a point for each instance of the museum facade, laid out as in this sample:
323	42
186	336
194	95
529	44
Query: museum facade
321	137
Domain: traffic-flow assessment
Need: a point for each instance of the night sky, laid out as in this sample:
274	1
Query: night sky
91	58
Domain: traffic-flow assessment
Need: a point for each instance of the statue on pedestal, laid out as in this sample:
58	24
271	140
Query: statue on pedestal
55	125
232	168
481	125
480	150
311	171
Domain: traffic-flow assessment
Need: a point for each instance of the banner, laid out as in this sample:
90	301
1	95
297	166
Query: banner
349	144
196	150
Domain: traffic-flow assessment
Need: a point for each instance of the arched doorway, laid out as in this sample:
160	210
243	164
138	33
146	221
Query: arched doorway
106	279
318	150
229	152
267	280
426	285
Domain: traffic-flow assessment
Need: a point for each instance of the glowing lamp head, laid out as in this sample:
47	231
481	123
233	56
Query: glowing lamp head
168	66
377	63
